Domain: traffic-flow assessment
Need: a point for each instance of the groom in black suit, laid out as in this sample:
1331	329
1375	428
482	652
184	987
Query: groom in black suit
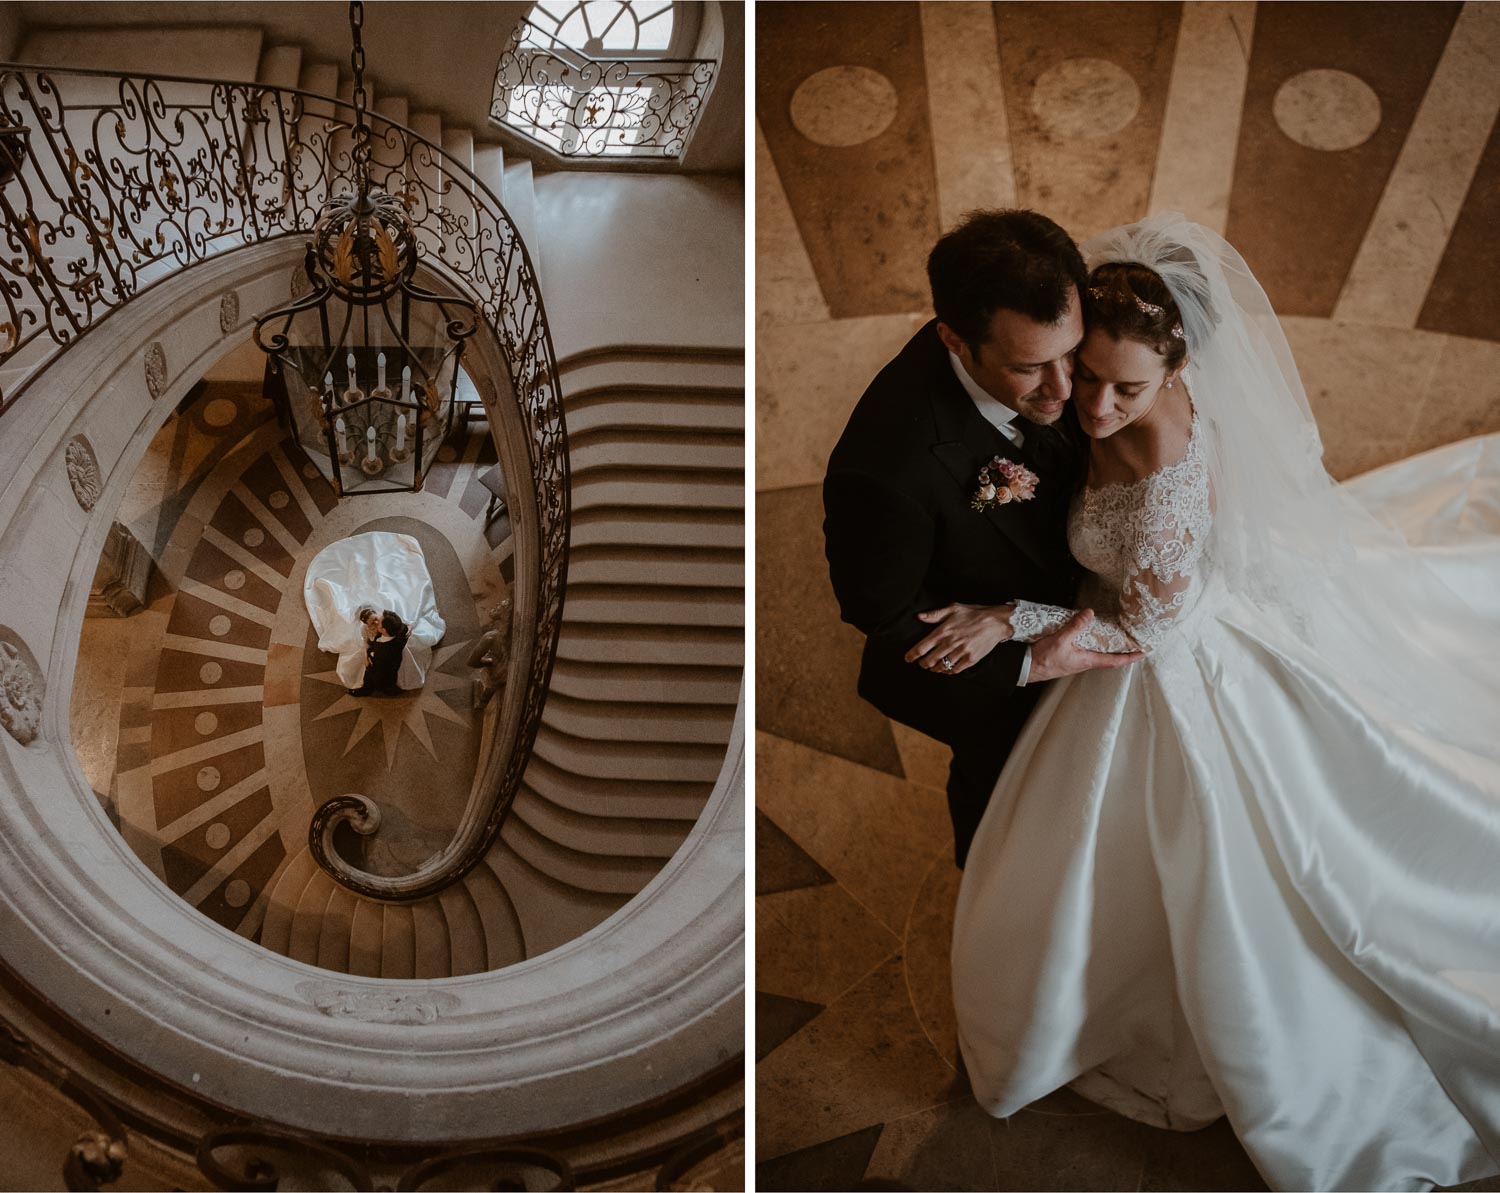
926	576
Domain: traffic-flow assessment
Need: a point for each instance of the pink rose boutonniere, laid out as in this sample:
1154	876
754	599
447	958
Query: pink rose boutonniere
1002	481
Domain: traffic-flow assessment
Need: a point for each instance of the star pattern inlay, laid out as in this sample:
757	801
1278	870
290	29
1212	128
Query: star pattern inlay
409	710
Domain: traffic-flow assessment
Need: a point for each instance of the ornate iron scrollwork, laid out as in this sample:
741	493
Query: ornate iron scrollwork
167	172
577	107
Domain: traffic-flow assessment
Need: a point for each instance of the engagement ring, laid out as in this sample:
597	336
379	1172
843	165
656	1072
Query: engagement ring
947	663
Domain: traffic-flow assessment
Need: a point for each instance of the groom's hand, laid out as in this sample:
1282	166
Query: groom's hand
1059	654
965	634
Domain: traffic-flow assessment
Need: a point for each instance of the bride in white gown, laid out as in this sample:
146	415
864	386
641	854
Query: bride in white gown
384	571
1258	873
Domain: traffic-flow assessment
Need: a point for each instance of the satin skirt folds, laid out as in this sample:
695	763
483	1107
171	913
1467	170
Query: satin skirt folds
382	570
1228	880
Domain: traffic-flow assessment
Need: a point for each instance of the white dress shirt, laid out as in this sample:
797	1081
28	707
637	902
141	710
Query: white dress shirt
1003	419
995	412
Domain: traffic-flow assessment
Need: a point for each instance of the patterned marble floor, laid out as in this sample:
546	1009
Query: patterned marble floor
210	723
1350	151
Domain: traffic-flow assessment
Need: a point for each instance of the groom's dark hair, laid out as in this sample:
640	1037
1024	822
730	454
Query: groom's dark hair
1002	260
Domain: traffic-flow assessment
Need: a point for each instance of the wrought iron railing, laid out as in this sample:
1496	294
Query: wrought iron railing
577	107
240	1154
110	183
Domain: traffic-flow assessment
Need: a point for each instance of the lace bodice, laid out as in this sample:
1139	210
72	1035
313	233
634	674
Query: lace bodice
1143	543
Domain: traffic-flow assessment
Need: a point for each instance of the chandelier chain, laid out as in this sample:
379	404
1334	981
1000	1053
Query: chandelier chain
361	151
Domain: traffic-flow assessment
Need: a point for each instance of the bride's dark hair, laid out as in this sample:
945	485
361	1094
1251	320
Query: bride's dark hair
393	625
1131	302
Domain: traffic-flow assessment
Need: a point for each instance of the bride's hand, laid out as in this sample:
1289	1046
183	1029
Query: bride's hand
965	634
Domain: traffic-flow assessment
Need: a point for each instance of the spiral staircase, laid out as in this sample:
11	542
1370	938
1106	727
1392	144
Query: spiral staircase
618	865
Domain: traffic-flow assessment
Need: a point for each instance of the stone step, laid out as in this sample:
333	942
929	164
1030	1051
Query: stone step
653	527
659	644
647	683
601	836
652	605
582	871
669	724
657	488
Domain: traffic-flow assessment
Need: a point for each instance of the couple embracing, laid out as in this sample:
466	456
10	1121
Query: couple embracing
1225	782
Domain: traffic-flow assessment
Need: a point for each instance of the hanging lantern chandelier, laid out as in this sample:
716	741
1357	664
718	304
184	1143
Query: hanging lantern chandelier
370	360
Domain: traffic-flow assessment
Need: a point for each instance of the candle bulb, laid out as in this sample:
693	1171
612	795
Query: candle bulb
400	432
350	361
328	385
370	439
380	370
338	425
406	383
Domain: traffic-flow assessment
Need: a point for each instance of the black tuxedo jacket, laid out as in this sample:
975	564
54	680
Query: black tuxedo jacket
901	537
383	663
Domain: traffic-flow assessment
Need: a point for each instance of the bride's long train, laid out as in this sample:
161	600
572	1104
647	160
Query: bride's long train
1234	880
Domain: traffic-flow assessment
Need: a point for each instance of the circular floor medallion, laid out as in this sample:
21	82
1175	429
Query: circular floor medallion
217	836
220	412
209	778
278	500
253	537
237	892
219	625
211	672
844	105
205	723
1085	99
1327	109
234	580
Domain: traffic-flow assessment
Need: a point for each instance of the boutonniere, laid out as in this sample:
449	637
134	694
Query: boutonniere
1002	481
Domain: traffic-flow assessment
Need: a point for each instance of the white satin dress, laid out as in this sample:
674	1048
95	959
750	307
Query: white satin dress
1225	881
382	570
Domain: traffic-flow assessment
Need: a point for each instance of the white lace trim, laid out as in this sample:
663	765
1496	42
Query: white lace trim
1145	540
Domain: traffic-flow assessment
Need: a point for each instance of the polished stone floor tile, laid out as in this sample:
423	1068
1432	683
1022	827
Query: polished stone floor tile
1085	90
778	1019
837	1164
1365	386
842	98
786	290
942	1147
929	929
815	943
1306	186
876	834
1210	1159
1463	298
808	379
780	863
807	660
1062	1152
864	1060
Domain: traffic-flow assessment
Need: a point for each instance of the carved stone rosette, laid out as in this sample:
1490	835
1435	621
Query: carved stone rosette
83	471
156	369
20	689
378	1006
229	311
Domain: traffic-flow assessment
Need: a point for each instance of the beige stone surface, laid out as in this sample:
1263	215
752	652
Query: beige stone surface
966	99
809	377
813	943
786	289
1205	100
876	834
863	1060
1404	244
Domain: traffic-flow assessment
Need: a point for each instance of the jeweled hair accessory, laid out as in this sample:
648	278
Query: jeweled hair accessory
1100	294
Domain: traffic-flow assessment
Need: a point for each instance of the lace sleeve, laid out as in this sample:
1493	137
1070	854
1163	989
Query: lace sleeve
1160	542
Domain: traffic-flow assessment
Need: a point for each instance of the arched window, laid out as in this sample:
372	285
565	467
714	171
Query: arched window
604	78
612	28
